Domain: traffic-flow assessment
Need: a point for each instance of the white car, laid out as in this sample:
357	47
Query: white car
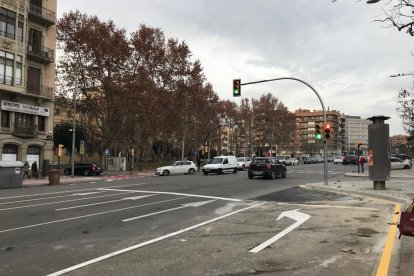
337	160
243	162
179	167
397	163
292	161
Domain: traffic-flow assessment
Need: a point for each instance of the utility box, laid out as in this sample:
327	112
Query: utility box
378	151
11	174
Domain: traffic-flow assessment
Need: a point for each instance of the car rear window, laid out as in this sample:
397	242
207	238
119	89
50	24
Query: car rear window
260	161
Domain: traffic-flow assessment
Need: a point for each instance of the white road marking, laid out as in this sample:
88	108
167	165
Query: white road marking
194	204
293	214
71	191
104	202
85	216
90	193
172	193
57	202
110	255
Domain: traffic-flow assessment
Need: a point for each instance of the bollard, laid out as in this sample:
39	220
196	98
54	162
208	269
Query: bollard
54	177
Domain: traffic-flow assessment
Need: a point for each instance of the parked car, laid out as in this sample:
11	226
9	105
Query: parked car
221	164
350	160
283	159
266	167
292	161
337	160
243	162
402	156
309	160
178	167
398	163
84	168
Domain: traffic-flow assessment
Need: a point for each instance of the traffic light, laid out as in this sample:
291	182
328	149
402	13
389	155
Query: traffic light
327	128
60	150
318	134
237	88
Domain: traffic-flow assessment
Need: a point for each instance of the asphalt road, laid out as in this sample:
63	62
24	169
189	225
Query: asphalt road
192	225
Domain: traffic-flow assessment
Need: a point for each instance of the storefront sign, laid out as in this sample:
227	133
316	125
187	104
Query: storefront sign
24	108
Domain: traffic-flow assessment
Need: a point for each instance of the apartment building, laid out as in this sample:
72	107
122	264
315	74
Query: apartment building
27	76
356	129
306	122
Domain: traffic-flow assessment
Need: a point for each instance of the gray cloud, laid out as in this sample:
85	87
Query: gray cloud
337	47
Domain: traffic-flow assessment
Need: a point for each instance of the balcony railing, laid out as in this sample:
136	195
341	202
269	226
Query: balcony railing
41	90
41	54
42	15
25	132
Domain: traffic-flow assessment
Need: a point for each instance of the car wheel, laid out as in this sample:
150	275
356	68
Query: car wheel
205	173
191	171
406	167
273	175
250	176
219	171
284	174
235	170
86	173
165	172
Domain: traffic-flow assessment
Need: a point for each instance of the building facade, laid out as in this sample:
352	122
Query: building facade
27	77
357	132
306	124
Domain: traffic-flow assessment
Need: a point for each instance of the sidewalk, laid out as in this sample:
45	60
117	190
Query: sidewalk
400	188
67	179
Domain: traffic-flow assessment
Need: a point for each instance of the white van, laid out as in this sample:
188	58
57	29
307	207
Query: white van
221	164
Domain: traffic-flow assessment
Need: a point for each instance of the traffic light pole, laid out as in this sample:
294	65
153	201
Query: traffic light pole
325	142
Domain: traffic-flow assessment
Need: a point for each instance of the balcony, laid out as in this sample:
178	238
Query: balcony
25	132
40	54
42	15
40	90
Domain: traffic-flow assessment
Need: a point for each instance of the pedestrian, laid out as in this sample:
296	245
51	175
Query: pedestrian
361	162
34	170
26	170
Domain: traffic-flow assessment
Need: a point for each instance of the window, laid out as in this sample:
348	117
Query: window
7	23
24	120
5	118
20	28
41	123
11	68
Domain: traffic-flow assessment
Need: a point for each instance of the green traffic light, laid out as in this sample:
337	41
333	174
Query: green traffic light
236	88
318	136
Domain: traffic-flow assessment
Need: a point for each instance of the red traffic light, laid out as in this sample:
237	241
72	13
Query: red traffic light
327	127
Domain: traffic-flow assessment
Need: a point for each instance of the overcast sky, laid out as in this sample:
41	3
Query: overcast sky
335	47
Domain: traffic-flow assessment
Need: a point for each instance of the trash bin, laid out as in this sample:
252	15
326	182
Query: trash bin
54	177
11	174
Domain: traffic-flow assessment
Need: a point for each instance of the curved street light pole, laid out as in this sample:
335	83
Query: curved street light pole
325	155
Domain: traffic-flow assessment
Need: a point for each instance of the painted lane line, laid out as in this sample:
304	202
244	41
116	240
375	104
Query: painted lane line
293	214
386	254
328	206
86	216
90	193
119	252
36	199
57	202
72	191
172	193
104	202
194	204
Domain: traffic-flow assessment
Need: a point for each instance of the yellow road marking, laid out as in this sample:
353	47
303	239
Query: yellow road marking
386	254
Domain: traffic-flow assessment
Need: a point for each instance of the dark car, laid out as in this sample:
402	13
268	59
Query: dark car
85	168
350	160
266	167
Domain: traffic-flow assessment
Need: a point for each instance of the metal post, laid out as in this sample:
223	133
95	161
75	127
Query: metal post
74	130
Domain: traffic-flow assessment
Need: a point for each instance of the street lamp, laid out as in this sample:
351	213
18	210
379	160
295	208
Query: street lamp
74	130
